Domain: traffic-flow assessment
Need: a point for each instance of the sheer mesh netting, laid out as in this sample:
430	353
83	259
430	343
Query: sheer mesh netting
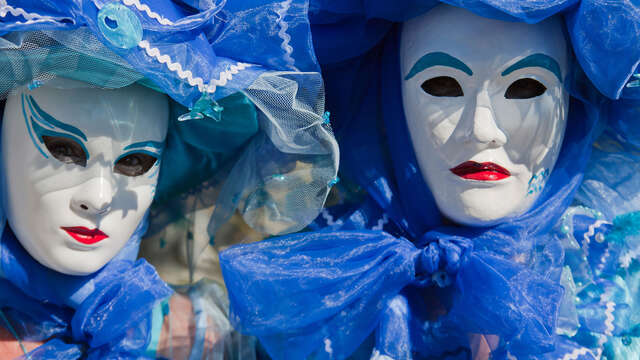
39	56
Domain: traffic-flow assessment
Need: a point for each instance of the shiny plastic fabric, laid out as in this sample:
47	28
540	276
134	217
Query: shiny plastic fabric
74	310
249	121
444	288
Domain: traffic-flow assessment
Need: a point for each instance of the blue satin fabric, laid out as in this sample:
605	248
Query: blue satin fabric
414	286
79	316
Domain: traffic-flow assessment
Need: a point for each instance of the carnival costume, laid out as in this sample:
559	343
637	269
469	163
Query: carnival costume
252	117
390	278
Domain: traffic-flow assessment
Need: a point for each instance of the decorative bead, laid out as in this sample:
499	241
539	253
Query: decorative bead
635	82
600	237
626	340
564	229
325	117
334	181
34	84
279	177
120	25
204	107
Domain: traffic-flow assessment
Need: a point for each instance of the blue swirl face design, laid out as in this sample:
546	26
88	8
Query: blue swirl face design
537	181
66	143
81	166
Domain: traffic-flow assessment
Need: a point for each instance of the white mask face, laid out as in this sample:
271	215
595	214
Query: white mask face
486	109
80	169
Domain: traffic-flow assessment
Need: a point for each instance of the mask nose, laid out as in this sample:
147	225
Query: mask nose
481	126
94	197
485	129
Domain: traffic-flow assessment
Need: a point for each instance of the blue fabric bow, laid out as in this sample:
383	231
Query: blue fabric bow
323	293
79	315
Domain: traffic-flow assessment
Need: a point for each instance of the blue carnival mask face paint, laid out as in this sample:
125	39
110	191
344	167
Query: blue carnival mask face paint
486	114
80	167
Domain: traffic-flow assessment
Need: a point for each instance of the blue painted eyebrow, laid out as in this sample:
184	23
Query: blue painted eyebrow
47	119
41	132
536	60
26	122
157	145
435	59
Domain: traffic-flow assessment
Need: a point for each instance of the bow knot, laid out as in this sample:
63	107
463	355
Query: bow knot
440	259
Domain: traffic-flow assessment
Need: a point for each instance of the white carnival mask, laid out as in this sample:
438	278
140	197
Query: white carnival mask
486	109
80	168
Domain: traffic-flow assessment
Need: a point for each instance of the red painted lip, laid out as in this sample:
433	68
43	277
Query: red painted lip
486	171
85	236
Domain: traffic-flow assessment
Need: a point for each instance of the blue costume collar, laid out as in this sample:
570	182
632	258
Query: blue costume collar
79	315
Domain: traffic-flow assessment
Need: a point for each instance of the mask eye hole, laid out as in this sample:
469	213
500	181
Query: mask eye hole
65	150
442	86
135	164
525	89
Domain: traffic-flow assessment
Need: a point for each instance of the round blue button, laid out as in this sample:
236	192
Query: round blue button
120	25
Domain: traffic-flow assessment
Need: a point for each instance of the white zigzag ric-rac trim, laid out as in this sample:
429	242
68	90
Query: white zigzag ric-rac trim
610	307
625	260
381	223
225	76
592	230
145	8
154	15
377	356
329	218
286	38
576	353
599	351
30	17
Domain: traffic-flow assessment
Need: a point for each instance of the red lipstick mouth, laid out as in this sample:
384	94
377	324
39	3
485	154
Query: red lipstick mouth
85	236
486	171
